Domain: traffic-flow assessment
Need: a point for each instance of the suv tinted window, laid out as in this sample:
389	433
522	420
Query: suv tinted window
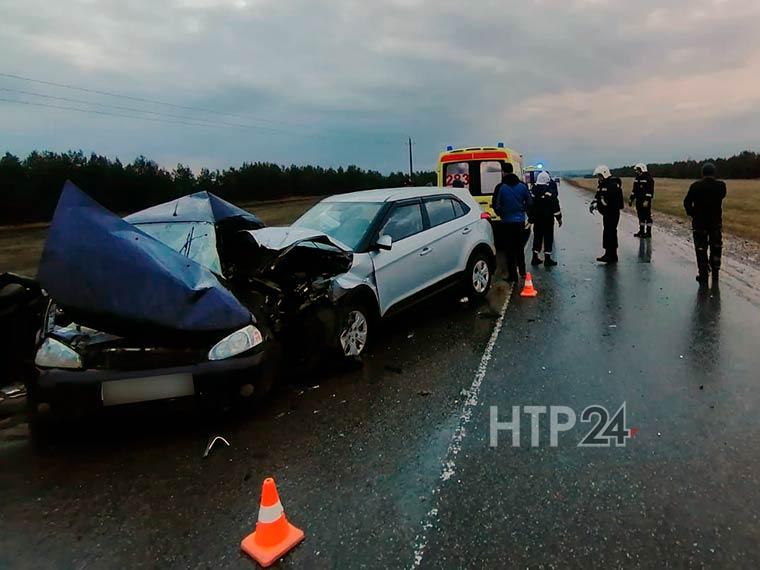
403	221
439	210
459	208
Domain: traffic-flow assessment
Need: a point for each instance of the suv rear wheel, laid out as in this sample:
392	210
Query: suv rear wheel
478	275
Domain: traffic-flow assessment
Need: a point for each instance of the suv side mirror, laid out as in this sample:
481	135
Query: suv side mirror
384	242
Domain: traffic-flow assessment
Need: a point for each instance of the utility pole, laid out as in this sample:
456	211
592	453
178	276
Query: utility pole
411	163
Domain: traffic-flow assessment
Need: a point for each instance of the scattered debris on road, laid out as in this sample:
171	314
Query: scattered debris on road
212	441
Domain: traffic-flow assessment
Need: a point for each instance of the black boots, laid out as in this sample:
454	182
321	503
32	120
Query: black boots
610	256
641	233
548	261
648	233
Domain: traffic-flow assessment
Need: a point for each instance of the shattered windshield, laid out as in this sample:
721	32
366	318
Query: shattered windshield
196	240
346	222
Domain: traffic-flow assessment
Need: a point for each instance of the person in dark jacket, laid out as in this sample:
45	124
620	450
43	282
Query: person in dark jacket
642	195
543	212
704	204
609	202
511	202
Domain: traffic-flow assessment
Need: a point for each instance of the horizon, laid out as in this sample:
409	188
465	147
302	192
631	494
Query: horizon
196	171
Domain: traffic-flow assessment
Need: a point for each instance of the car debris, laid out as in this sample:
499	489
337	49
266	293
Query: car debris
212	440
12	392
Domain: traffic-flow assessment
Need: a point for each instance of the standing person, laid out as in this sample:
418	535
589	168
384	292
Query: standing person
704	204
511	201
642	194
609	202
545	209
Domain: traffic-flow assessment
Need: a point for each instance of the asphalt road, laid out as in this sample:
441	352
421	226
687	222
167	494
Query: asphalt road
391	465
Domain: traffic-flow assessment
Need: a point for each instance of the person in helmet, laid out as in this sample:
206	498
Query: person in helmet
543	212
609	202
642	195
704	204
511	202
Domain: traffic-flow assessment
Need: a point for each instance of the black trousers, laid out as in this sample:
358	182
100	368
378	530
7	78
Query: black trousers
644	214
514	238
543	234
609	236
711	239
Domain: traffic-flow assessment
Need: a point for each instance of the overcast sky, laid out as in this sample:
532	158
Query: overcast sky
572	83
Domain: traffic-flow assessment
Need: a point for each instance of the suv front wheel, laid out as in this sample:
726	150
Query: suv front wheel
354	329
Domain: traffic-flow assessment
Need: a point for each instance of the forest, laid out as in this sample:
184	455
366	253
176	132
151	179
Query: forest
744	165
30	187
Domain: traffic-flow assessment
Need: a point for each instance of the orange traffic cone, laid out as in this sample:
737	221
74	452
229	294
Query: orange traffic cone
274	535
529	290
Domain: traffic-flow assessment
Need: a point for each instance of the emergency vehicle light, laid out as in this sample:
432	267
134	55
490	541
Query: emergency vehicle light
500	145
449	147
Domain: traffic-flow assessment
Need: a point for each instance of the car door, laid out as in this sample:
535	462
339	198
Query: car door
407	267
448	231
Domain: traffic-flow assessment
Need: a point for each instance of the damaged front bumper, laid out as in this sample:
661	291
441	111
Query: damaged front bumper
59	393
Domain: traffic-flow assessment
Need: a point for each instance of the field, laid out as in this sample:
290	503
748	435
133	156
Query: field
741	209
21	246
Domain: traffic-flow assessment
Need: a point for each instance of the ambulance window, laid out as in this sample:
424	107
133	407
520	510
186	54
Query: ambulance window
457	171
490	176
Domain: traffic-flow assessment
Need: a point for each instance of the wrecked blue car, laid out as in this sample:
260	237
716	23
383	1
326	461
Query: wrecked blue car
174	301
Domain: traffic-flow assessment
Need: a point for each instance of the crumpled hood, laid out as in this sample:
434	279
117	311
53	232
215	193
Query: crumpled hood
282	238
109	275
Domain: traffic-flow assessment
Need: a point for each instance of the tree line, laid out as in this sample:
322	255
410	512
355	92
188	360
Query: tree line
30	187
743	165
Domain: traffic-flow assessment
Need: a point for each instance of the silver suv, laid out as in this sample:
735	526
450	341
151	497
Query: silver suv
407	243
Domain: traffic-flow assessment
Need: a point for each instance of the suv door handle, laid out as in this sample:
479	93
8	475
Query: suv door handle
425	251
466	231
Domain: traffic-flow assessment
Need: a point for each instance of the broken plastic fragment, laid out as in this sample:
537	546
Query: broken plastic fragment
212	441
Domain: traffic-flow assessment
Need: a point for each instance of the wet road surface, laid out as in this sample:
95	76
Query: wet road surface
390	466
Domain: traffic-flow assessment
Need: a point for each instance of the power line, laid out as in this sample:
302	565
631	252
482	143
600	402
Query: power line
191	122
132	98
167	104
135	110
94	112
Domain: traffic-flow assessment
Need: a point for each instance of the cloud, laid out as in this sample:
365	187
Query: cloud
345	81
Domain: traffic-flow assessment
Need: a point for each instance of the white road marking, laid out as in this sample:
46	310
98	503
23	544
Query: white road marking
448	463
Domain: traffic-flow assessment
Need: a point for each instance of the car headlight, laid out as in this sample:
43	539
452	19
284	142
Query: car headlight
54	354
236	343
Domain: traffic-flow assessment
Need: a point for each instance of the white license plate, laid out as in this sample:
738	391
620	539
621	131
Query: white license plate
133	390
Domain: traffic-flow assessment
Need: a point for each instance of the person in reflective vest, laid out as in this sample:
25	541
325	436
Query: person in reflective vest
642	195
544	211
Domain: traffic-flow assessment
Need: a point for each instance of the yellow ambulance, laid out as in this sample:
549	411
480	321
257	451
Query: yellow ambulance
478	169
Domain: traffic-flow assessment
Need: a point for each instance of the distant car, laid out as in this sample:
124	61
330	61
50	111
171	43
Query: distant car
195	296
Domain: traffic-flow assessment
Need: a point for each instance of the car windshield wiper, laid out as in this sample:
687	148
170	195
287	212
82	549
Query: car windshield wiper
191	237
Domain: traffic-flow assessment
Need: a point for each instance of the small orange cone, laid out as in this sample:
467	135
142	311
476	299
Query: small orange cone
274	535
529	290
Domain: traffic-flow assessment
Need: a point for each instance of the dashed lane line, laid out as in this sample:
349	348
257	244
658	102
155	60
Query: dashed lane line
448	463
